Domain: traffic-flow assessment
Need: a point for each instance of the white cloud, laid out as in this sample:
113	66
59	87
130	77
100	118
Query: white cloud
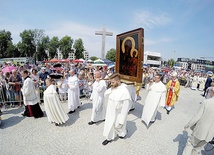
151	19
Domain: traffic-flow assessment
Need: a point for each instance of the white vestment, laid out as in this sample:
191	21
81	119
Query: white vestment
97	96
155	98
202	81
53	107
118	105
194	83
29	92
35	78
73	93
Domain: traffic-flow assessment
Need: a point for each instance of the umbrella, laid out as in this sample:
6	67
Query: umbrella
64	60
111	66
99	64
8	69
57	68
209	73
89	61
55	76
98	60
54	60
77	60
57	65
82	60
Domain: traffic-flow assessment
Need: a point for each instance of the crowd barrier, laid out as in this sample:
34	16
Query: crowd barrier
11	98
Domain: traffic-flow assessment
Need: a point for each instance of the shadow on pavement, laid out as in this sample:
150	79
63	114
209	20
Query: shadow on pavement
13	111
138	110
74	116
11	121
182	140
131	127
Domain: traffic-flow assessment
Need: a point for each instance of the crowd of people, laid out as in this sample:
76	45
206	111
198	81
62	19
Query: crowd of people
189	79
31	85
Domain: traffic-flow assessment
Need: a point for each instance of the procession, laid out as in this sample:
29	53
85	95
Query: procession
67	100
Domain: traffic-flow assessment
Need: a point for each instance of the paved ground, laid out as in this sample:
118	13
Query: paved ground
29	136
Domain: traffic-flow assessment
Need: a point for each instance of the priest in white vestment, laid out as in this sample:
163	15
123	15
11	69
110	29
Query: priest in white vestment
155	98
97	96
53	107
73	92
30	99
118	105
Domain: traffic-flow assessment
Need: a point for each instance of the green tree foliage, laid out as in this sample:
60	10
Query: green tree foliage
42	47
27	45
65	45
171	62
111	54
5	43
93	58
78	45
52	48
12	51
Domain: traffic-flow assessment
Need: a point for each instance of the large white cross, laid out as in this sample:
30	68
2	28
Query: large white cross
104	34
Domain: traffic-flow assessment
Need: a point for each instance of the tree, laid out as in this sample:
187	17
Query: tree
171	62
42	47
27	45
12	51
111	54
93	58
53	46
78	45
65	45
5	43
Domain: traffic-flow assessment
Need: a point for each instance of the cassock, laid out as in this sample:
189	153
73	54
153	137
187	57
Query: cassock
97	96
155	98
118	105
53	107
30	99
73	93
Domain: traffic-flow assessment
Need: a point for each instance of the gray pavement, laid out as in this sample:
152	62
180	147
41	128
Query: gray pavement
29	136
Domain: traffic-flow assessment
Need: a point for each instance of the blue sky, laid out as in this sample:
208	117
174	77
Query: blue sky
183	26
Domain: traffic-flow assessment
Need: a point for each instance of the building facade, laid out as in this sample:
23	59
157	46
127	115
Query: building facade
196	64
152	59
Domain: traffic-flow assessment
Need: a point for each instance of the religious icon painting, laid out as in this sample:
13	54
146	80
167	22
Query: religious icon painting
129	55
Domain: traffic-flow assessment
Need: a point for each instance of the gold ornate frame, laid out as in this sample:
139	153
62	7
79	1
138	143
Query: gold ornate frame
129	55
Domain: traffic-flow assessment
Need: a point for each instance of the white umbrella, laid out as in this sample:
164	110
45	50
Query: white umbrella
111	66
98	63
82	60
99	60
89	60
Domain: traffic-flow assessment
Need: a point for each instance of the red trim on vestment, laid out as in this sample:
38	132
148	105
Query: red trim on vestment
30	111
169	98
